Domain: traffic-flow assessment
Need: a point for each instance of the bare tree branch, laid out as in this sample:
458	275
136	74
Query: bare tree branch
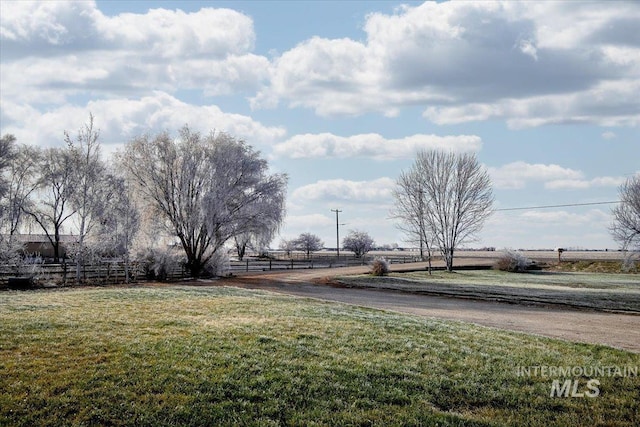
444	198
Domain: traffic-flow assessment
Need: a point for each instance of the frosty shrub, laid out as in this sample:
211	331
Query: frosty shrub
218	265
513	261
158	263
379	267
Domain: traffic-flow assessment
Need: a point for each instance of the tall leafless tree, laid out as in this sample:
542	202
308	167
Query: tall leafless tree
55	191
626	215
22	179
8	250
119	223
91	187
452	192
7	143
409	210
204	188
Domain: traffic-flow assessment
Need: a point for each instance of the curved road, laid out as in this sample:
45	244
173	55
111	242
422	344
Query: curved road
612	329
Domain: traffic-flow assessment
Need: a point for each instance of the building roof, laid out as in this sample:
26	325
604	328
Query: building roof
42	238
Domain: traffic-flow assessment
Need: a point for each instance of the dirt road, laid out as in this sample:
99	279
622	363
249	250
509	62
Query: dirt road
612	329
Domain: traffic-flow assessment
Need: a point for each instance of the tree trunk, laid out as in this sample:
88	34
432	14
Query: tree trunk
56	247
448	259
241	249
195	267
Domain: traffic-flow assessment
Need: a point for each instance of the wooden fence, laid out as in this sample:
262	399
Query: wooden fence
297	261
113	272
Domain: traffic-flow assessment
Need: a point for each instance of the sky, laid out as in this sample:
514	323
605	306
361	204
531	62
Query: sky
341	95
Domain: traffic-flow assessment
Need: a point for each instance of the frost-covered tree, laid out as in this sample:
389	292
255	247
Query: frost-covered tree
308	243
358	242
287	245
21	177
626	215
92	191
7	143
267	216
55	191
119	224
205	189
452	193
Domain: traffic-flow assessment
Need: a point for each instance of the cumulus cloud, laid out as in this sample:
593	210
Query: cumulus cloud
515	175
128	53
578	184
617	106
567	219
308	222
524	62
122	119
371	145
347	191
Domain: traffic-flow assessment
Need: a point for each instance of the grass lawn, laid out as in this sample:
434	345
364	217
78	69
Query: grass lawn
606	291
180	355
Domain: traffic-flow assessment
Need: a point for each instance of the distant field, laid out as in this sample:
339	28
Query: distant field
549	255
604	291
180	355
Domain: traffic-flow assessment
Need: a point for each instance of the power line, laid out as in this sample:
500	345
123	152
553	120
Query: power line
556	206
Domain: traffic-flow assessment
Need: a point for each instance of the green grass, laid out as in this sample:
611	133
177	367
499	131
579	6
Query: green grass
184	355
606	291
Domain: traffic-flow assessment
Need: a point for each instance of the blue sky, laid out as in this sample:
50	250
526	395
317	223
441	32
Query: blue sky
341	95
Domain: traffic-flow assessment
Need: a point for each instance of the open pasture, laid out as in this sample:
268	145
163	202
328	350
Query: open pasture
193	355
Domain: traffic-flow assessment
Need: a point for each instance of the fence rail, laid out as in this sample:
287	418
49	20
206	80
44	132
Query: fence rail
318	261
113	272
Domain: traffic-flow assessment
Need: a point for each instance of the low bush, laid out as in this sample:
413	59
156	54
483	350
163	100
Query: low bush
380	267
513	262
157	263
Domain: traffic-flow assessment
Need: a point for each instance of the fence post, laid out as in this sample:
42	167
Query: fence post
292	263
269	264
247	260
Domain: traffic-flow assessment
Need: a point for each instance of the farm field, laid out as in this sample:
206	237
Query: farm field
200	355
602	291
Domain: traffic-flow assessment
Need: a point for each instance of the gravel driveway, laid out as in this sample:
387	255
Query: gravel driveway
612	329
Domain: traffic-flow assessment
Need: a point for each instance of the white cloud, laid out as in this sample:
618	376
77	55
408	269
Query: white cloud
602	104
577	184
608	135
376	191
538	229
308	222
371	145
163	33
566	219
515	175
122	119
54	50
527	63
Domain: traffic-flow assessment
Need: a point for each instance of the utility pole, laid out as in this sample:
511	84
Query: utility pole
337	231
